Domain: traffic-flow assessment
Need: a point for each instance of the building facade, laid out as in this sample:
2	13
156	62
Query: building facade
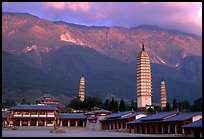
82	88
163	123
40	115
163	94
118	121
144	80
31	115
49	100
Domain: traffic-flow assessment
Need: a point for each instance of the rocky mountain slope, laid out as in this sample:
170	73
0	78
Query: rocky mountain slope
41	43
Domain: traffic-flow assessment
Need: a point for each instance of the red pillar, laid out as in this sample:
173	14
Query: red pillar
145	129
177	128
129	128
134	129
140	129
185	132
163	129
150	128
156	129
169	129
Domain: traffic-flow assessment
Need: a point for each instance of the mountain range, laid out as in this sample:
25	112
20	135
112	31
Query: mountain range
52	56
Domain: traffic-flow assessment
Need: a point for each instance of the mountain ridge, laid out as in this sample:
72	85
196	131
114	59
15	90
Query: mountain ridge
33	39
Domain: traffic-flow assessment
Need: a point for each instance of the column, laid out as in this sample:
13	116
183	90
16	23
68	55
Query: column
140	129
84	123
76	123
61	123
185	133
169	129
145	129
162	128
129	128
156	129
28	122
20	123
134	128
150	128
45	124
176	128
37	123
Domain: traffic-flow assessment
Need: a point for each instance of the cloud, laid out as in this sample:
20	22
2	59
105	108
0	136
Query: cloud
184	16
73	6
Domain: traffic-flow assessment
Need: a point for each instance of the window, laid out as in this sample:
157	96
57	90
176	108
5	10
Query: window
26	113
50	122
17	113
42	113
34	113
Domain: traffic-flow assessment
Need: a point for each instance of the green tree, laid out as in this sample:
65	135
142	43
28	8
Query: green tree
88	103
97	102
197	105
184	106
76	103
113	105
132	106
122	105
24	101
175	105
106	105
150	111
8	103
168	107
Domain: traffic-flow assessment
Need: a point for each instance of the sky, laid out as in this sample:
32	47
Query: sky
183	16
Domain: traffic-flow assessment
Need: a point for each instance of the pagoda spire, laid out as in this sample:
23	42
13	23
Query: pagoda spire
143	47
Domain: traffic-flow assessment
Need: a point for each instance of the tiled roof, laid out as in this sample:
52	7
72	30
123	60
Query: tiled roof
33	107
116	115
90	113
182	116
158	116
135	121
195	124
72	116
131	115
103	111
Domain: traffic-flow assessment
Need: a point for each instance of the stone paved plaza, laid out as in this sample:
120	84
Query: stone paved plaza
69	132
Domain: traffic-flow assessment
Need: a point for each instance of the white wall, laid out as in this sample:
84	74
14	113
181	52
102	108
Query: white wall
140	116
198	117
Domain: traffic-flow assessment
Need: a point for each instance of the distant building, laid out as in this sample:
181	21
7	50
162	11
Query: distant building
164	123
49	100
144	80
193	129
118	121
82	88
30	115
163	94
94	117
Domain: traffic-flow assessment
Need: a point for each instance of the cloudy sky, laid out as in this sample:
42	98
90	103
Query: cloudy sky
184	16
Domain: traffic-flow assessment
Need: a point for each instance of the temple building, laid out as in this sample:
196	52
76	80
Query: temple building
82	88
144	80
48	99
163	94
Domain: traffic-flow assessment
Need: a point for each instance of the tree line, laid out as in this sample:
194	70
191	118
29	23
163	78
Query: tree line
119	106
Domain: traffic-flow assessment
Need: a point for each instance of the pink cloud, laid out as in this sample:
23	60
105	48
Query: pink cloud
73	6
184	16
